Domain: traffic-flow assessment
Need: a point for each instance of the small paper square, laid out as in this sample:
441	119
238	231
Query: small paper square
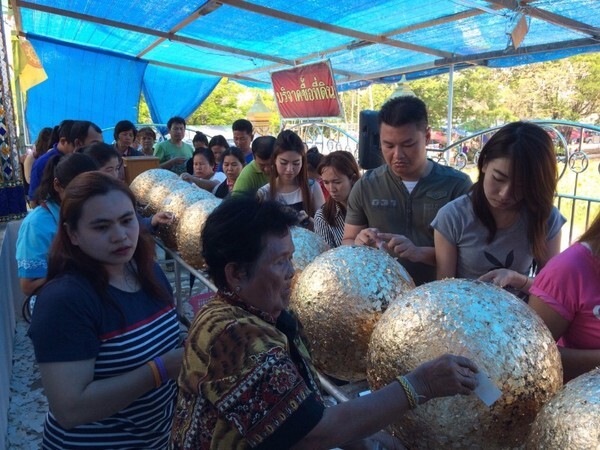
486	390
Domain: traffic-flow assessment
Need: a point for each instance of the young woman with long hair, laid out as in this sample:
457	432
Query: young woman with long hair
40	225
566	295
338	171
105	331
41	146
288	182
507	226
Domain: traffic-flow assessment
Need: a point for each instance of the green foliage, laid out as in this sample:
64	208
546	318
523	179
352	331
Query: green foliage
434	92
230	101
566	89
222	107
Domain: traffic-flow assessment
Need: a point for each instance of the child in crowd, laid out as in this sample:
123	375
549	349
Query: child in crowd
200	140
313	159
218	144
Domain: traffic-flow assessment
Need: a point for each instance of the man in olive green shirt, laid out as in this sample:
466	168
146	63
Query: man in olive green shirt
256	174
391	207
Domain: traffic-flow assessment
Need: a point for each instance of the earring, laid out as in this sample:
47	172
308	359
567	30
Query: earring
238	289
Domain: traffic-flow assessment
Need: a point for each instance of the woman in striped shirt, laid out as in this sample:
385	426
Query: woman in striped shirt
105	332
339	171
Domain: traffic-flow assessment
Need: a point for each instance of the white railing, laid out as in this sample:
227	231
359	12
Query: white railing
326	137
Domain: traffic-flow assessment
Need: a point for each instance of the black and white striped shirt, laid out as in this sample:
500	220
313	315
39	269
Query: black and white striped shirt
332	234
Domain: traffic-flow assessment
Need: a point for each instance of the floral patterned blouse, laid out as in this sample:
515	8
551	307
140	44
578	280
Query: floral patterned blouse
247	381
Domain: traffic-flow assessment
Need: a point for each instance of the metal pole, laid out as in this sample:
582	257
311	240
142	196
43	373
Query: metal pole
449	118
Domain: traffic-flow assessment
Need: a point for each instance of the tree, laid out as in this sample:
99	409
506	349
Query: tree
230	101
434	92
479	99
222	106
565	89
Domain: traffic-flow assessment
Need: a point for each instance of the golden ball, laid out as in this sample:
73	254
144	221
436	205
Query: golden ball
307	246
189	231
493	328
339	297
571	420
177	203
162	190
145	181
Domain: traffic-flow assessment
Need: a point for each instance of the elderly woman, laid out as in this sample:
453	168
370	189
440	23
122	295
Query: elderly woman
247	379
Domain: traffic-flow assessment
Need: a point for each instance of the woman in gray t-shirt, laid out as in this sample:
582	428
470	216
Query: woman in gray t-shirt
507	221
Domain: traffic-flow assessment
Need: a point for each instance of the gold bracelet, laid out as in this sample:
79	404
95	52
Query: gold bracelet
155	374
524	284
409	391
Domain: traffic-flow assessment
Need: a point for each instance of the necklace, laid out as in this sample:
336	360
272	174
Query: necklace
129	277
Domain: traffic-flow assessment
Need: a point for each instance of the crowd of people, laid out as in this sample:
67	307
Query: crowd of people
104	318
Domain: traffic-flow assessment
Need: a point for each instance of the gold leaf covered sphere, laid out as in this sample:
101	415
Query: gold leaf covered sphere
307	246
189	231
162	190
495	330
177	203
145	181
338	298
571	420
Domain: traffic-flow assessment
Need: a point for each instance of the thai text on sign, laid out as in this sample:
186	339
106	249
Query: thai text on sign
306	91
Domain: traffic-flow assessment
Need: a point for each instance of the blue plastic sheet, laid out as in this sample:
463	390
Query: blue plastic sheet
171	92
366	41
83	85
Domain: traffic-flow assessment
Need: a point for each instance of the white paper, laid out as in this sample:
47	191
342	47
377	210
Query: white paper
487	391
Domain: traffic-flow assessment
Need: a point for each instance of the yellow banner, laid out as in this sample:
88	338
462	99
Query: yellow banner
28	67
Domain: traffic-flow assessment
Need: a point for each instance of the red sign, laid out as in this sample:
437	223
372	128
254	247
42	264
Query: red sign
307	91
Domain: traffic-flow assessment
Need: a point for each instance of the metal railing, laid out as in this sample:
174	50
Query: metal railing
561	132
326	137
179	263
573	143
579	211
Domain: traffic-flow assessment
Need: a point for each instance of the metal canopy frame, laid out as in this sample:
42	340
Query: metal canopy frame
356	38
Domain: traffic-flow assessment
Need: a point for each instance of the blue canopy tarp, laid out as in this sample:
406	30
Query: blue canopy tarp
185	47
